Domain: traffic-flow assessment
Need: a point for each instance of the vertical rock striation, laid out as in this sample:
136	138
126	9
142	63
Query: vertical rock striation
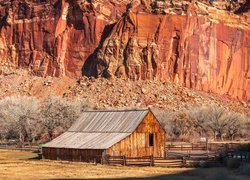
192	44
202	48
53	37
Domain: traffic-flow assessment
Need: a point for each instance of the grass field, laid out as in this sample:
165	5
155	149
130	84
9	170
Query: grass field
24	165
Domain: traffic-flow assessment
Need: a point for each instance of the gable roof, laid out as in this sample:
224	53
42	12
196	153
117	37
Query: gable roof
99	129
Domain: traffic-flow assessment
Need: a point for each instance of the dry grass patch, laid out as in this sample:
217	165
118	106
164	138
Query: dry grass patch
20	165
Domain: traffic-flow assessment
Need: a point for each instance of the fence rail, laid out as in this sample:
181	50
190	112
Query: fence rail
123	160
175	160
179	159
191	147
172	159
170	162
33	149
208	147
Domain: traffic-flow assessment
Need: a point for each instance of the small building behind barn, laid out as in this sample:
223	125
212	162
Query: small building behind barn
131	133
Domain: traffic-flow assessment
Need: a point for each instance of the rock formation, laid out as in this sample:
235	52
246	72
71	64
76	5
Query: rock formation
53	37
191	44
201	48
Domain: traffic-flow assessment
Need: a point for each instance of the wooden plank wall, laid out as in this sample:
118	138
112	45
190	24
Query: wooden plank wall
137	144
78	155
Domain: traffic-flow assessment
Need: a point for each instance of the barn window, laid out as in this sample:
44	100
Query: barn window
151	139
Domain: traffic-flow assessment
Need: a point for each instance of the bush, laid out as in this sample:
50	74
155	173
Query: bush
233	163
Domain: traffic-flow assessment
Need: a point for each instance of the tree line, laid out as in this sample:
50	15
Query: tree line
30	120
211	123
27	119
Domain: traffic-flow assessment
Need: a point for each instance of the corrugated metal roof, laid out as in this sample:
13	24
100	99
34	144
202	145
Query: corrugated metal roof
99	129
109	121
79	140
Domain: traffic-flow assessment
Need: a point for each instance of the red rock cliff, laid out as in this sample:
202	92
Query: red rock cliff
202	48
53	37
193	45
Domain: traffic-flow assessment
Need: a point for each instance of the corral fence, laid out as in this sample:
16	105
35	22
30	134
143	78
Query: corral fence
187	147
191	155
126	161
216	147
178	159
241	155
172	160
26	148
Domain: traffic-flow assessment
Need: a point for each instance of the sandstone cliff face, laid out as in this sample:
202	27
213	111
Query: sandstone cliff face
193	45
53	37
214	53
201	48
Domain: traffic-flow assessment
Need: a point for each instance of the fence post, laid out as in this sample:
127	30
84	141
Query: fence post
183	161
124	160
152	160
226	145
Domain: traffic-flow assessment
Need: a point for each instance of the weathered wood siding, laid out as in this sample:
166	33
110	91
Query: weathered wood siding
78	155
137	144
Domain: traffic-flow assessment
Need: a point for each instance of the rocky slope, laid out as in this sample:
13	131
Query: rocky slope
193	45
115	93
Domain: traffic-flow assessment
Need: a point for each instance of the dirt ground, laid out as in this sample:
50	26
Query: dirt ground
24	165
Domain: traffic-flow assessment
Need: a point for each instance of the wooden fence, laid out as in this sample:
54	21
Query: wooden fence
173	160
180	159
169	162
33	149
126	161
217	147
186	147
243	156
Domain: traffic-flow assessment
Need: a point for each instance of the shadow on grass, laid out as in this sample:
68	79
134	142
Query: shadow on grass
37	157
220	173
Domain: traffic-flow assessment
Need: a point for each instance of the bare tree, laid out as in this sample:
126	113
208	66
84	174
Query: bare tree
200	119
218	120
16	113
178	124
60	113
27	118
234	124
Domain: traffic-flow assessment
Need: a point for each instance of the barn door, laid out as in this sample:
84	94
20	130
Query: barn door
151	141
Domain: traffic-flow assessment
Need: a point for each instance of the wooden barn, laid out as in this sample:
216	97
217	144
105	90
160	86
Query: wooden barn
131	133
